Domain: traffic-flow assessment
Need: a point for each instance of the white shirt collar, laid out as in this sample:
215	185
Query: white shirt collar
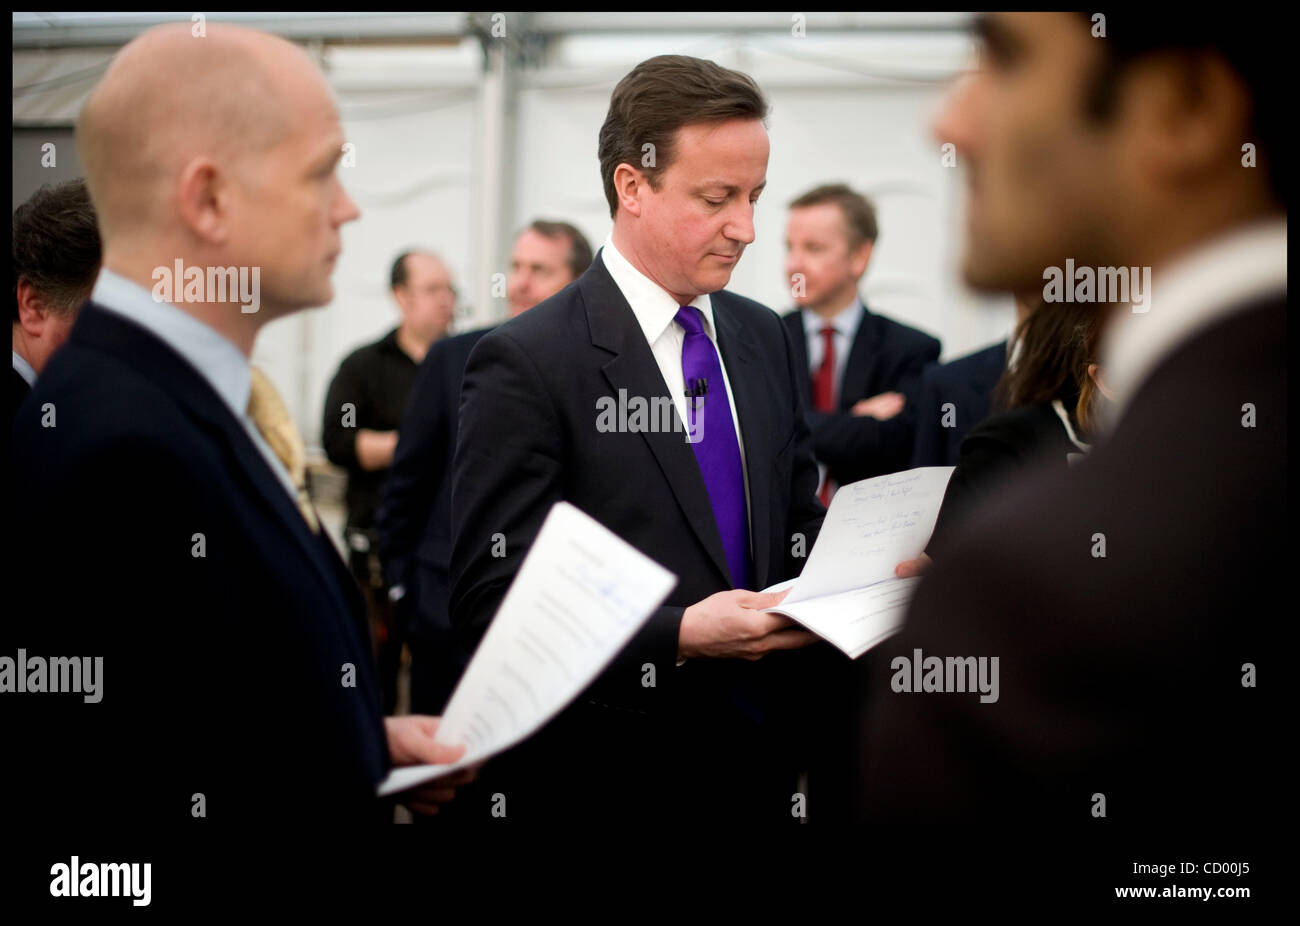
217	359
25	369
1198	289
845	322
653	307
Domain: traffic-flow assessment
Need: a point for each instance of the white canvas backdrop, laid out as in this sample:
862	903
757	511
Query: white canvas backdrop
853	107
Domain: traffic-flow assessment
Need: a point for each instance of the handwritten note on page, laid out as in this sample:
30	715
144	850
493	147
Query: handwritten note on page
580	595
848	593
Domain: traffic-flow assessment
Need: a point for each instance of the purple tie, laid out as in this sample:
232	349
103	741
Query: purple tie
716	448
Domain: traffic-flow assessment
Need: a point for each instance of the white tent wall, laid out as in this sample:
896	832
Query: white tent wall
854	107
410	116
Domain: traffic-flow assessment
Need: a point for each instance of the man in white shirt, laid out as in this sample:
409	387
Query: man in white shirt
857	364
719	487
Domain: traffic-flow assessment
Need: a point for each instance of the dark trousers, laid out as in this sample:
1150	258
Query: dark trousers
597	766
437	660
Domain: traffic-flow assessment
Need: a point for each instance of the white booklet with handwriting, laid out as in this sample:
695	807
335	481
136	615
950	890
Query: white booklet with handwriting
580	595
847	593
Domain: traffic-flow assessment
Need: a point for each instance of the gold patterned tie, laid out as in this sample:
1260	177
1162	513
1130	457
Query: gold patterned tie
268	412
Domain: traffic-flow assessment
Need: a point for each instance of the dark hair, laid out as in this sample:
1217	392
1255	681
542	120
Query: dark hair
398	275
658	97
859	212
1057	343
1087	353
56	245
579	258
1253	51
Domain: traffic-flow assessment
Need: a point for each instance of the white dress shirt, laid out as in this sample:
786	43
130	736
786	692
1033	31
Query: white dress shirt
845	323
1195	291
655	311
216	359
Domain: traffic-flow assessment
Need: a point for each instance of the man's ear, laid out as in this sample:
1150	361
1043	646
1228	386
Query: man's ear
399	296
33	311
202	199
628	184
1190	109
860	256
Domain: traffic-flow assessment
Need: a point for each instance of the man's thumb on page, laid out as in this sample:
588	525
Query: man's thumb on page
763	600
440	753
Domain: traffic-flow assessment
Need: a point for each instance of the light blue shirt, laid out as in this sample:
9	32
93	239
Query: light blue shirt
216	359
846	324
24	368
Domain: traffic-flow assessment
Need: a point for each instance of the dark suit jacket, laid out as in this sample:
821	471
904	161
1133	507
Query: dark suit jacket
528	438
224	674
414	518
967	383
1120	676
885	356
997	452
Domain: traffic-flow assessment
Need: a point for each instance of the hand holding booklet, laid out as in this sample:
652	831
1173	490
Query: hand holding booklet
580	595
847	593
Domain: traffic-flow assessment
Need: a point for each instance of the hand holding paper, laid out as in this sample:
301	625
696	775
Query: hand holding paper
738	624
412	741
848	593
580	595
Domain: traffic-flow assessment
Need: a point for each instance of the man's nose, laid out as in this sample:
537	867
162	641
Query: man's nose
956	118
741	227
348	210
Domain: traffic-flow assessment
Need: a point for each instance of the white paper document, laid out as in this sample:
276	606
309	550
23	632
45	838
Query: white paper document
847	593
580	595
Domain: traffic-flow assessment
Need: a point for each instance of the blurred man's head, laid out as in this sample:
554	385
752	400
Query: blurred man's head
56	259
219	150
1114	150
683	155
423	289
547	257
828	240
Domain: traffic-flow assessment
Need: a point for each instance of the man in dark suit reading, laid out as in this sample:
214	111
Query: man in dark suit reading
716	483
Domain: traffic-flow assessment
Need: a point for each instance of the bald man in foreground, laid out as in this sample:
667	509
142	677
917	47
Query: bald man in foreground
234	682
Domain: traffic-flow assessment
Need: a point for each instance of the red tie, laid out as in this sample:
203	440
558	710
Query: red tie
824	393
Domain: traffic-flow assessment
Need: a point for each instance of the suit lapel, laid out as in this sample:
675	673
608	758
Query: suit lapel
174	374
634	369
747	378
861	364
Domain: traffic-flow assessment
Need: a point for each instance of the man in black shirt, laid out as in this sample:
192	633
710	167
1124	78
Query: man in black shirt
362	411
